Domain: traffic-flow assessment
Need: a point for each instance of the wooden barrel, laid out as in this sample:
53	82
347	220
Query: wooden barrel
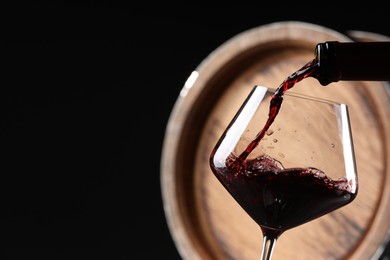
204	220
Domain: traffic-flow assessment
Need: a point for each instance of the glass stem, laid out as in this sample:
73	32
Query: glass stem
268	248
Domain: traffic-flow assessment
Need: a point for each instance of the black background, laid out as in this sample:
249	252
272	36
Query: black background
85	96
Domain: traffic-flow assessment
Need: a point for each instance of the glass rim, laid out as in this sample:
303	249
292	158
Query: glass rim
303	96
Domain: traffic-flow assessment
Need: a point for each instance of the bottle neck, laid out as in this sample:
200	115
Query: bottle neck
364	61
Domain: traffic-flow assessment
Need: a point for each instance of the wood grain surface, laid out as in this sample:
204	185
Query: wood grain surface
205	221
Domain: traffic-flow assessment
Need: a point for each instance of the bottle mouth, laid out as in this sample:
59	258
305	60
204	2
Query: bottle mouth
325	56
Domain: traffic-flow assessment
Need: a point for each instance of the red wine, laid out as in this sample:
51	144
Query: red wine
277	198
308	70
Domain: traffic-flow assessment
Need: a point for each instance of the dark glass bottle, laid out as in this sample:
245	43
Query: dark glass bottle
365	61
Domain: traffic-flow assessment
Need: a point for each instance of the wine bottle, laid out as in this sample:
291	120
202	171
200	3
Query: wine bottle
364	61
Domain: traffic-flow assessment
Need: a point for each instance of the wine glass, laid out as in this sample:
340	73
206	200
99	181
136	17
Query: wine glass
286	164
